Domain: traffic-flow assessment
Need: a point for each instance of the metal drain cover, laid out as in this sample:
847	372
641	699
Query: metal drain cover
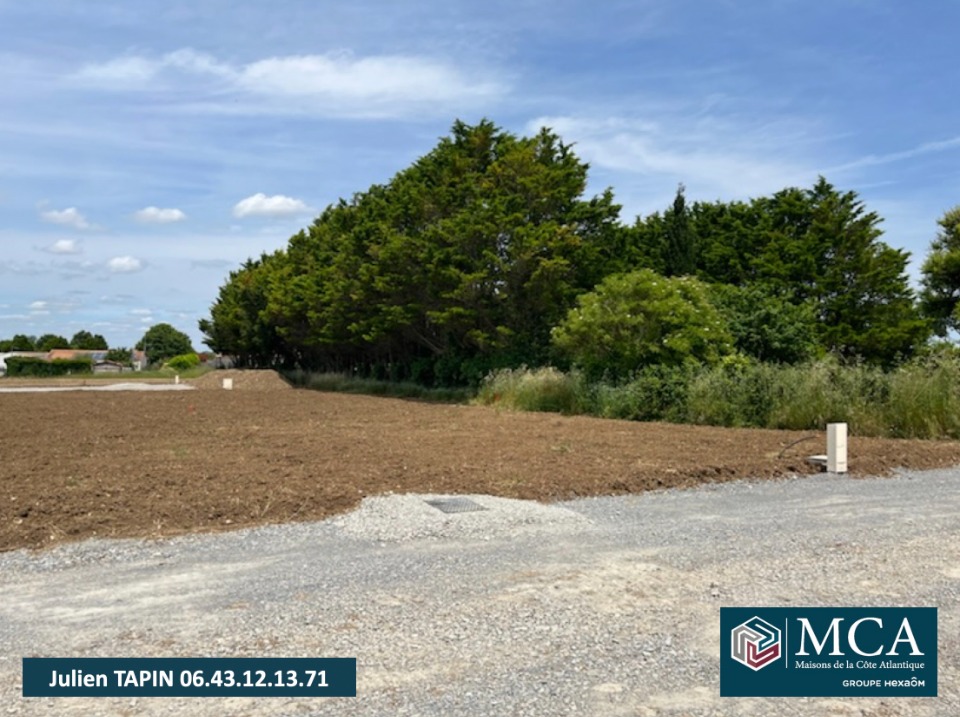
455	505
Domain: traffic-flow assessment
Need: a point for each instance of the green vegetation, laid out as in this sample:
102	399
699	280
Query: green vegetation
121	356
542	389
462	263
84	340
48	342
485	257
28	366
641	319
474	257
920	399
343	383
20	342
183	362
941	275
162	342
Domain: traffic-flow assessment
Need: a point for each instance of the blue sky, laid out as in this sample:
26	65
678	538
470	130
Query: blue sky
146	148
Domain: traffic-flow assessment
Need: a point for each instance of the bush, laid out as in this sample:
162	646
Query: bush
642	319
655	393
738	392
183	362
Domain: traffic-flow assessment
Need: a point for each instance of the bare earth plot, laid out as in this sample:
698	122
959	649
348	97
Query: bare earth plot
124	464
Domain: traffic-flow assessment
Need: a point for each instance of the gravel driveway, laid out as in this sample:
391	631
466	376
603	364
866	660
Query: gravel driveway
605	606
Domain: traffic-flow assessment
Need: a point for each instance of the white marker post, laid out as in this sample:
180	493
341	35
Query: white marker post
837	447
228	384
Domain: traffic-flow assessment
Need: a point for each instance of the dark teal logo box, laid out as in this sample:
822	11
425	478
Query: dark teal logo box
828	652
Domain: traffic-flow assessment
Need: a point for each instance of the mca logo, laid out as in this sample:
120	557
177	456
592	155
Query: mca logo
755	643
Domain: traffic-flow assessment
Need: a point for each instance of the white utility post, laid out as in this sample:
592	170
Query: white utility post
228	384
837	447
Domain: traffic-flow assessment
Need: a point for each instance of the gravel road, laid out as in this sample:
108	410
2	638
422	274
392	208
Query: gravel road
605	606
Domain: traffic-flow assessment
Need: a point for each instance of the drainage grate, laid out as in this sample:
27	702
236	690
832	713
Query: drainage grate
455	505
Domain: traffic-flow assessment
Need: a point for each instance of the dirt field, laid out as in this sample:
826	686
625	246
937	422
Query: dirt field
81	464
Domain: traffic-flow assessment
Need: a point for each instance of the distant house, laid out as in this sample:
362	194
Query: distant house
109	367
71	354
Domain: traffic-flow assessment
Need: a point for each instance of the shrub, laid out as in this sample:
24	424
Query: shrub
654	393
183	362
642	319
738	392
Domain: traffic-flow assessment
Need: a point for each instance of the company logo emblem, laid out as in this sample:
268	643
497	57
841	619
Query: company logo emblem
755	643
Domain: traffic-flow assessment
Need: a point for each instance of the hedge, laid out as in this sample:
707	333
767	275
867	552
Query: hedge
29	366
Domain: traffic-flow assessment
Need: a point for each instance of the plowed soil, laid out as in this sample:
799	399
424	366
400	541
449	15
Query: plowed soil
80	464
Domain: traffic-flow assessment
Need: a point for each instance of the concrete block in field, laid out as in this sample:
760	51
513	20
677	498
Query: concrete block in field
837	447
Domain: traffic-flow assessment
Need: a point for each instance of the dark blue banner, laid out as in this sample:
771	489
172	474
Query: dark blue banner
828	652
189	677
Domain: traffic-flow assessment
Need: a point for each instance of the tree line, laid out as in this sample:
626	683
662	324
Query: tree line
160	342
486	254
82	340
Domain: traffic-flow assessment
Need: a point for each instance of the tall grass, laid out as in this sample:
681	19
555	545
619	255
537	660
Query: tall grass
541	389
345	383
924	399
920	399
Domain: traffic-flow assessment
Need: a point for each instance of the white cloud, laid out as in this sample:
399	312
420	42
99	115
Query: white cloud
874	160
64	246
141	312
714	158
332	84
67	217
124	265
38	306
260	205
121	70
385	77
155	215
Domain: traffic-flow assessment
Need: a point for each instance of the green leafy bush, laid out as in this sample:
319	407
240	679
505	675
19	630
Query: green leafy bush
654	393
641	319
183	362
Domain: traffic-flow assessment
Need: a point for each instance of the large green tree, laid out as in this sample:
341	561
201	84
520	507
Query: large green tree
680	250
85	340
47	342
462	262
240	324
941	275
816	247
765	326
163	341
21	342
